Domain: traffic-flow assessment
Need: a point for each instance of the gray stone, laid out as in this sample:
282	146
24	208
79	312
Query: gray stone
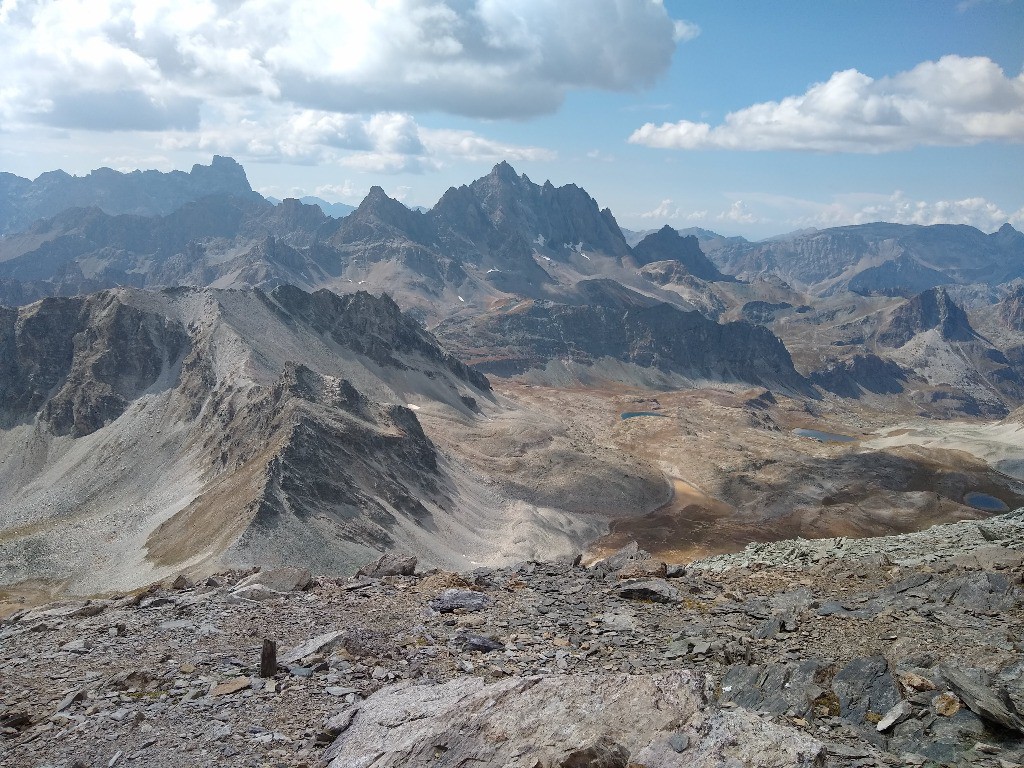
389	564
317	644
655	590
286	579
990	702
563	721
479	643
865	685
82	645
618	621
460	600
256	592
897	714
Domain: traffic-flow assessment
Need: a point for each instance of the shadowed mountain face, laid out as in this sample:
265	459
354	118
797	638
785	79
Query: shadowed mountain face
668	245
933	309
620	326
144	193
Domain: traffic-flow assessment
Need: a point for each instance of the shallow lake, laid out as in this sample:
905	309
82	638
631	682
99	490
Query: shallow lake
823	437
634	414
985	502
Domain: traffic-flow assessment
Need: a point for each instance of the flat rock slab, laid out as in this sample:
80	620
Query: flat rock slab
655	590
460	600
317	644
287	579
990	702
657	721
230	686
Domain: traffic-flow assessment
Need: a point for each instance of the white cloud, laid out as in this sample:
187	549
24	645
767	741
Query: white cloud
896	207
953	101
346	190
739	213
482	58
684	31
386	142
471	146
664	211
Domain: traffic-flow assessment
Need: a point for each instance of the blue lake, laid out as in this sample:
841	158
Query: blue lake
634	414
985	502
823	437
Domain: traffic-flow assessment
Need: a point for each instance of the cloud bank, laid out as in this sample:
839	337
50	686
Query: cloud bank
304	81
477	58
954	101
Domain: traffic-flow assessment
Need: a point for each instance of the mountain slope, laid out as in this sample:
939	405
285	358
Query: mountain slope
662	345
143	434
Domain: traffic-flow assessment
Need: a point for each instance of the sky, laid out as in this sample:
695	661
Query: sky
742	117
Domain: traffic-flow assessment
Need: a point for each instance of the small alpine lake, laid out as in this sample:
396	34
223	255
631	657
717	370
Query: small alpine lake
823	437
985	502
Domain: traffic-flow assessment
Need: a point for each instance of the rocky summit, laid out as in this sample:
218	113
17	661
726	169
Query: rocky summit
894	651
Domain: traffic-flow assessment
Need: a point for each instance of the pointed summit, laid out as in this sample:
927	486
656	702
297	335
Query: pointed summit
668	245
504	172
378	214
932	309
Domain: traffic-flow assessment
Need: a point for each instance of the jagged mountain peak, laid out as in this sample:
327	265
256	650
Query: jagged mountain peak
931	309
381	215
504	172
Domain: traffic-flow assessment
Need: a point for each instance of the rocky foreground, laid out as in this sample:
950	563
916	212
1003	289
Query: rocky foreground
907	650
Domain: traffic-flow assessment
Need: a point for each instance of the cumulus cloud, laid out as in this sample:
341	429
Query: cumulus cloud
667	210
387	142
738	213
480	58
899	208
953	101
664	211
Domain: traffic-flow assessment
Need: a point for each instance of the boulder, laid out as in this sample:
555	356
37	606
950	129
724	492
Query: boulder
564	721
287	579
988	701
389	564
654	590
452	600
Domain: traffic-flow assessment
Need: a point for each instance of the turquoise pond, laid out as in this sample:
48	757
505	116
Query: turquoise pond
985	502
823	437
634	414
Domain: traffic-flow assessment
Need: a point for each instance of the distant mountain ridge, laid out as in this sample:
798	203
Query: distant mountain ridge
143	193
881	258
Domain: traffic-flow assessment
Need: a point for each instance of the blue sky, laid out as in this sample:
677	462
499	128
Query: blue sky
749	118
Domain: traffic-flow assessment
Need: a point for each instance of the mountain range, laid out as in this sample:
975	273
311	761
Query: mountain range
192	376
